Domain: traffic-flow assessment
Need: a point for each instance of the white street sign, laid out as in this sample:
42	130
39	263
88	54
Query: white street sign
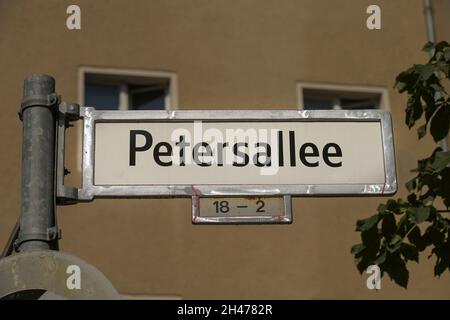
217	153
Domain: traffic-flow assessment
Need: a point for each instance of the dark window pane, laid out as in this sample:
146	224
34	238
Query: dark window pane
102	96
318	104
147	98
359	103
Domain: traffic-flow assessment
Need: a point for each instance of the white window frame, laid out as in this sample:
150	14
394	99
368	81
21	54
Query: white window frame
301	86
171	100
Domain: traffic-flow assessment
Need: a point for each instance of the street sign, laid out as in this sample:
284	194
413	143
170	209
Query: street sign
237	153
240	210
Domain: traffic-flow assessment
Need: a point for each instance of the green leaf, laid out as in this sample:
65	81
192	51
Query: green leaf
380	259
420	214
444	68
440	123
371	239
411	185
412	198
361	264
442	253
437	87
409	252
431	106
395	267
447	54
388	226
441	45
392	205
441	265
425	70
429	46
366	224
402	206
422	131
441	160
428	199
442	224
435	236
381	208
395	243
444	187
413	111
357	248
395	240
415	238
403	225
406	80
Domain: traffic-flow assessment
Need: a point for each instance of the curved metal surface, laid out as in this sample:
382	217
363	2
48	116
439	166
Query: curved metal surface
48	270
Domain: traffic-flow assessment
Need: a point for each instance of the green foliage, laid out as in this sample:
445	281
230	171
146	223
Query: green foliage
401	229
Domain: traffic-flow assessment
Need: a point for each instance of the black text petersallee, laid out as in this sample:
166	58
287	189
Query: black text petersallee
307	153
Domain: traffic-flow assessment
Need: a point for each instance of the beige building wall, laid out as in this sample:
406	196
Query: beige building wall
245	54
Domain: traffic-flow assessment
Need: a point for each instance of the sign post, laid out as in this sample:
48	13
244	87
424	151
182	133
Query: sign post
39	270
37	229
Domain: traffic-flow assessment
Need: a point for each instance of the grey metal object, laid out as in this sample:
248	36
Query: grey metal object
45	275
431	36
256	219
67	112
91	116
428	11
37	272
37	221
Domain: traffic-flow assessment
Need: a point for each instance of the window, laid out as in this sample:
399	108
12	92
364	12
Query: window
101	96
116	89
338	97
125	89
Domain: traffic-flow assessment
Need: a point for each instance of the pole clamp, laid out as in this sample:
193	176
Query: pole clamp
52	234
36	100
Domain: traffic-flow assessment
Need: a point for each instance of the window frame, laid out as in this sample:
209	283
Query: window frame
301	86
171	100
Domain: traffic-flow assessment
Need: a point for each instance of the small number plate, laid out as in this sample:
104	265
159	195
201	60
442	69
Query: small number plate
241	210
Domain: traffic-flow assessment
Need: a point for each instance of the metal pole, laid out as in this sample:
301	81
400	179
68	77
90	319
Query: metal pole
428	11
431	36
37	221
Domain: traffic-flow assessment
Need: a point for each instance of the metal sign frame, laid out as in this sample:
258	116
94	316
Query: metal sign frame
92	116
284	218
